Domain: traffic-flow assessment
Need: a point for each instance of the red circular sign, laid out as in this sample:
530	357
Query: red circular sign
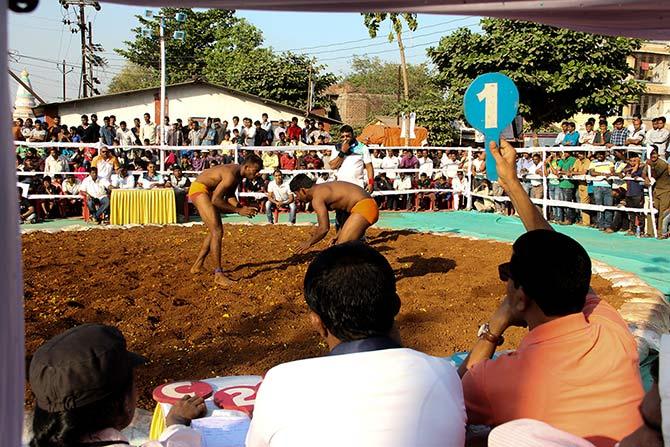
171	393
240	397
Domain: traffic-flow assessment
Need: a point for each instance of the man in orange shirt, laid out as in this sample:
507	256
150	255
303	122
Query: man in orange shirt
577	369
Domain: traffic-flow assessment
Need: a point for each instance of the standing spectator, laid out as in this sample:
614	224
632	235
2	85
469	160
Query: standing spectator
376	158
107	132
77	167
148	130
194	134
38	134
122	180
324	133
210	137
279	196
535	169
151	179
553	183
267	127
27	129
566	186
125	136
54	131
561	135
634	198
26	210
589	135
619	135
450	165
260	136
631	126
523	166
659	172
86	132
350	290
95	127
180	185
280	129
106	163
425	164
306	131
602	169
581	167
236	124
220	129
97	199
572	136
658	136
637	133
408	160
55	163
248	132
293	132
390	163
137	131
17	135
174	136
603	136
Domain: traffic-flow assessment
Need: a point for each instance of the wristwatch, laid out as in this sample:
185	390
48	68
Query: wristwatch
485	333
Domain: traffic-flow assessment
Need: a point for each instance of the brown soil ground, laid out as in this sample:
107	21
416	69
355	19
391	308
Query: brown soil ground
139	281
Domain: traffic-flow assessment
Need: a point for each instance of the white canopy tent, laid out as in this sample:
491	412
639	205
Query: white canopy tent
648	19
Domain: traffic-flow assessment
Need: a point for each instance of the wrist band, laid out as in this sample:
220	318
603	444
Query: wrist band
341	154
371	181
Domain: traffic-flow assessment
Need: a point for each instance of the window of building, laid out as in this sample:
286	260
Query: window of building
648	106
651	67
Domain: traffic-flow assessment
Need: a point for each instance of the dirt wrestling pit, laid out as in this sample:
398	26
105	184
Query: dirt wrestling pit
138	280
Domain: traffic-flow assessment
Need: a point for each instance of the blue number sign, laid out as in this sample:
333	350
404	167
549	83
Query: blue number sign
491	103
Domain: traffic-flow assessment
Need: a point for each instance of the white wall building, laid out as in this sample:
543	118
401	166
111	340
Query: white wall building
194	99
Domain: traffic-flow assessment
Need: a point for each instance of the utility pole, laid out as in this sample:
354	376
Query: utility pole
309	91
64	71
92	89
82	31
399	85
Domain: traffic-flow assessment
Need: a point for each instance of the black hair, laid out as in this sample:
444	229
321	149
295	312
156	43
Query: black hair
559	284
301	181
67	428
94	169
618	120
84	116
601	122
257	123
352	288
264	115
661	119
253	159
637	116
347	128
236	117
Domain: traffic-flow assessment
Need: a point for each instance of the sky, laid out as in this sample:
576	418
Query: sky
39	39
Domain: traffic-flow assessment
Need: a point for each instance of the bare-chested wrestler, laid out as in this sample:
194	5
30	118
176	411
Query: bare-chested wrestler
338	196
213	193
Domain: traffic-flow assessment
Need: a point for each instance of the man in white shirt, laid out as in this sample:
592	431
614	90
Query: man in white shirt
122	180
390	162
148	130
352	160
587	136
459	185
369	391
401	201
450	165
96	195
55	163
125	136
280	196
281	128
151	179
106	163
564	130
658	136
248	132
266	125
425	164
636	132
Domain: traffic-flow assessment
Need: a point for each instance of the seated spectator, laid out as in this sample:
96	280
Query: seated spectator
198	162
49	207
122	180
460	186
483	204
390	162
106	163
382	183
572	136
71	187
279	196
577	369
77	167
97	199
288	161
17	135
401	201
85	393
26	209
369	391
637	133
442	198
55	163
185	163
151	179
180	185
270	158
311	161
424	183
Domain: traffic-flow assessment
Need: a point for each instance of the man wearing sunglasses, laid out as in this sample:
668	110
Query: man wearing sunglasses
577	368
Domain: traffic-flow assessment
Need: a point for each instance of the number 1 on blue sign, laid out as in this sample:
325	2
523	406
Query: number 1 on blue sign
490	97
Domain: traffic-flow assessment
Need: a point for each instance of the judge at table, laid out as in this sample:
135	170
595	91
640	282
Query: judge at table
151	179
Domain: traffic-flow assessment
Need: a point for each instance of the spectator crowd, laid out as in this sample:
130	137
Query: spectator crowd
586	174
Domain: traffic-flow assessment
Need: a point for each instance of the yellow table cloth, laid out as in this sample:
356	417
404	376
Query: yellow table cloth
143	206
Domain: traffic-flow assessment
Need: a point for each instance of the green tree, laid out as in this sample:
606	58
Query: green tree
186	58
558	72
133	77
375	76
374	20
